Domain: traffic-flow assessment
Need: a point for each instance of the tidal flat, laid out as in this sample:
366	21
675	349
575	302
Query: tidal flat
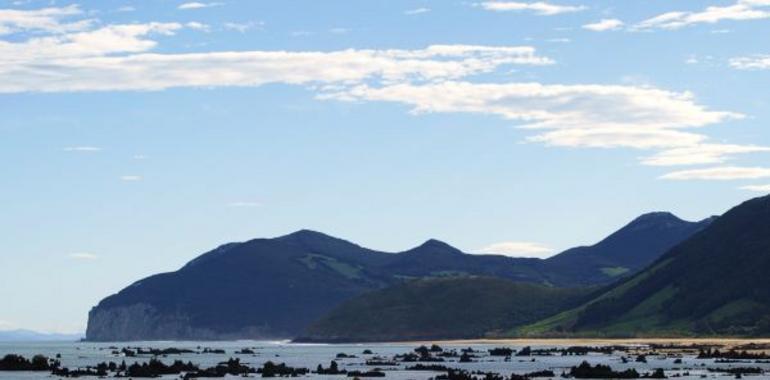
439	360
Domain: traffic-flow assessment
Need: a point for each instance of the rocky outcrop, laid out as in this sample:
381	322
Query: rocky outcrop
144	322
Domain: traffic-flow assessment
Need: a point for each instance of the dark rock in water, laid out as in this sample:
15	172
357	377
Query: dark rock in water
271	369
600	371
374	373
332	370
501	351
13	362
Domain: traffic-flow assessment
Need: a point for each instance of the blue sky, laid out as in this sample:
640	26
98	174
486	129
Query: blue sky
135	135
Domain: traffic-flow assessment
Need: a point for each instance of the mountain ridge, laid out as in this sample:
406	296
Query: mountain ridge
714	283
275	287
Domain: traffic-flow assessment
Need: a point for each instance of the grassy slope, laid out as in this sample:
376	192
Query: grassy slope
715	283
460	307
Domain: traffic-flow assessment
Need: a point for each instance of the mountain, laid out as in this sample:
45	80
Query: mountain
263	288
34	336
713	283
627	250
440	308
275	288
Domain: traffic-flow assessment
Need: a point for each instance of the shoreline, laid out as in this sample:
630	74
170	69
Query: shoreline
586	341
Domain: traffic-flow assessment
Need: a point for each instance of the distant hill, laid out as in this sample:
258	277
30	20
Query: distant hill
275	288
626	251
34	336
440	308
713	283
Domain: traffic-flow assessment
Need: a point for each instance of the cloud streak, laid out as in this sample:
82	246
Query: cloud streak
538	8
604	25
720	173
434	79
741	10
518	249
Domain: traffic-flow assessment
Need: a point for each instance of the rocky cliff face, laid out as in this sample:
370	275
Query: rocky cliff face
144	322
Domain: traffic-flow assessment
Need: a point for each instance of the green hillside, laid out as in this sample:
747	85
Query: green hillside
459	307
715	283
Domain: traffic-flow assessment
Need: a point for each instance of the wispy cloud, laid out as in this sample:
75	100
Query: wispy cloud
539	8
94	64
45	19
755	62
741	10
416	11
130	178
721	173
435	79
195	25
198	5
243	27
757	188
518	249
339	30
700	154
90	149
83	256
604	25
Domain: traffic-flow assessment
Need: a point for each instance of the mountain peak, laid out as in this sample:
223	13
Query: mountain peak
305	234
657	216
434	245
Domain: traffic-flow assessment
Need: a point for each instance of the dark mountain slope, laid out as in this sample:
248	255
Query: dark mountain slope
258	289
447	308
274	288
626	251
436	258
714	283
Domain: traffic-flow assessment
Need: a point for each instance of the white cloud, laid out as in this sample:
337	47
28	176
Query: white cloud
46	57
5	325
539	8
126	8
416	11
83	256
244	204
518	249
89	62
130	178
45	19
574	115
604	25
700	154
741	10
198	5
429	80
581	116
339	30
757	188
83	149
198	26
755	62
721	173
243	27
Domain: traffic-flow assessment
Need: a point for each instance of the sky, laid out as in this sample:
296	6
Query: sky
136	135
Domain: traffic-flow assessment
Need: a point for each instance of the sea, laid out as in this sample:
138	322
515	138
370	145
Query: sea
85	354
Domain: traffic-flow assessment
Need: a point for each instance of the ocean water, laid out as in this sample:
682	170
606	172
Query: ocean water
83	354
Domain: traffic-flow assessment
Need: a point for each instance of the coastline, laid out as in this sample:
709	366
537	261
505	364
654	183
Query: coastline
589	341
